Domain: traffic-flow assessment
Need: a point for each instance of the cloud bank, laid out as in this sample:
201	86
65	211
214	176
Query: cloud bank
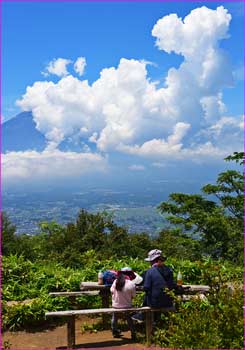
19	166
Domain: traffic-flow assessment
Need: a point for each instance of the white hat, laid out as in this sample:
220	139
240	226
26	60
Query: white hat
153	254
126	269
137	279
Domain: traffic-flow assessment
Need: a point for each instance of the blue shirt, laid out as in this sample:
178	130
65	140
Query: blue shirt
157	280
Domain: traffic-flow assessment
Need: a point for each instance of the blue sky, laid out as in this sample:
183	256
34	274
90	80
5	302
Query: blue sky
188	115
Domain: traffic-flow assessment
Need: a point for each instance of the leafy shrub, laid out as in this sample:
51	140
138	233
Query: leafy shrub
23	315
25	280
216	322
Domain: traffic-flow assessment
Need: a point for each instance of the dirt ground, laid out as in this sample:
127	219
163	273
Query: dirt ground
55	338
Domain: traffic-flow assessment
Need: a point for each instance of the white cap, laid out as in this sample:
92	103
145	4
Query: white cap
153	254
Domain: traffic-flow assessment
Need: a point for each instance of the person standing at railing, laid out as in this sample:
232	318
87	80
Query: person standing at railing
123	291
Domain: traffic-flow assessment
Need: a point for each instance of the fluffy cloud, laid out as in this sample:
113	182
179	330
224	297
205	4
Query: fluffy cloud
50	165
212	107
160	147
199	32
200	78
124	111
57	67
226	133
112	107
80	65
215	142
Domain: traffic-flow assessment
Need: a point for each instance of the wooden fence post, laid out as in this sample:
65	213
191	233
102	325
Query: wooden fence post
105	295
71	332
148	326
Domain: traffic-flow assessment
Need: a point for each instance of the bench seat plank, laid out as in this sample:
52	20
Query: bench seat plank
108	310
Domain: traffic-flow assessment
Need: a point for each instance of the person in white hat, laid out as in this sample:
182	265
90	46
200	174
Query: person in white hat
157	280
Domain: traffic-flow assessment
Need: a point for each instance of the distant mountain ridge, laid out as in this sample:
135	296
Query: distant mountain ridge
20	134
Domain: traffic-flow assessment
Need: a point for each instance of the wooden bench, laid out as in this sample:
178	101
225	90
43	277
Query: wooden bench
92	288
71	314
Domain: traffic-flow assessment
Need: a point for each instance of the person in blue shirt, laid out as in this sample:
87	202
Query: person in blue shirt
157	281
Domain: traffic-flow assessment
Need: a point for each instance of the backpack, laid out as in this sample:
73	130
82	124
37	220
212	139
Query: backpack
108	277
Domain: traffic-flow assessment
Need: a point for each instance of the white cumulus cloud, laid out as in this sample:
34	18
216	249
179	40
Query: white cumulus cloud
197	32
80	65
57	66
160	147
53	164
125	111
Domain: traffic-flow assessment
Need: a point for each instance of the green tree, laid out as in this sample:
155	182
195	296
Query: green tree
140	244
217	224
117	243
90	232
14	244
177	245
90	229
49	244
9	238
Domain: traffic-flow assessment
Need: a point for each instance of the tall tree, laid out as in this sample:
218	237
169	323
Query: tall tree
217	224
9	237
176	244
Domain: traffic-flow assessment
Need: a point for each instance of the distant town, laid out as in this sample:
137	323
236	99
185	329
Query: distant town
26	211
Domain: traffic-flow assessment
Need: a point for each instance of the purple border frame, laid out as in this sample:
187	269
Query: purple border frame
98	1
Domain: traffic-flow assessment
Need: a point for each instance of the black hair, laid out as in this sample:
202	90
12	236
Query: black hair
120	282
159	258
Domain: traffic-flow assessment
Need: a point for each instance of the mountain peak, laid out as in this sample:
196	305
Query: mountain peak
20	134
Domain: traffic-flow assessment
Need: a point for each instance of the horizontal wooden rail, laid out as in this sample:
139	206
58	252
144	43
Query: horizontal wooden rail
74	294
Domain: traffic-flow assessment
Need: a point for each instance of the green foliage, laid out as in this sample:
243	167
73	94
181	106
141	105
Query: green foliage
238	157
229	191
29	283
137	243
175	244
67	244
31	313
23	279
92	328
215	322
217	225
8	236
